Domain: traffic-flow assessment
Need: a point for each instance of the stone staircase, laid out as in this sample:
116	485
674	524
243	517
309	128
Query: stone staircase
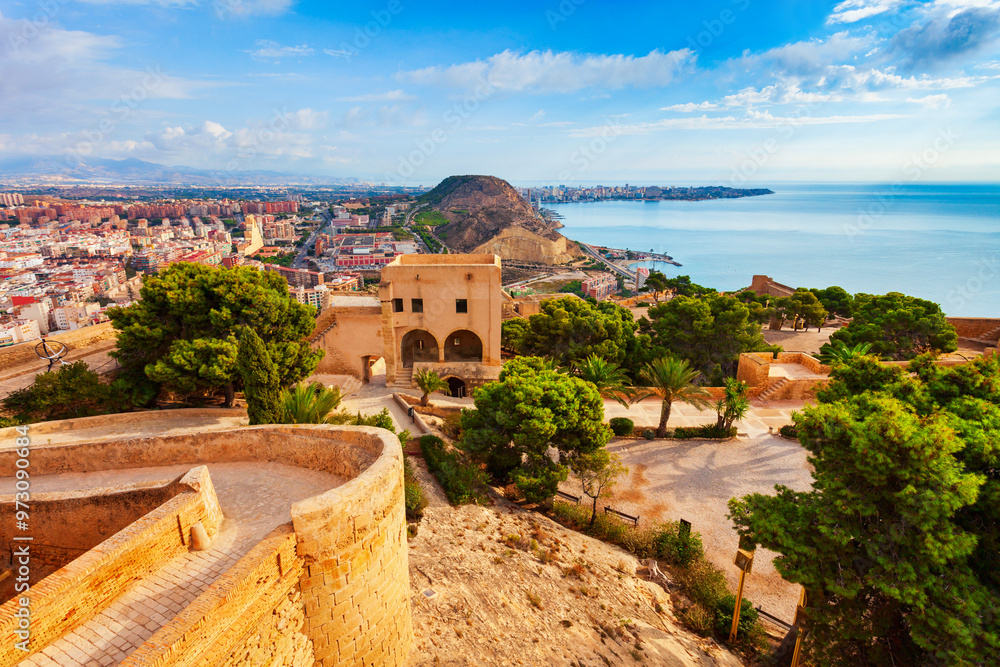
404	379
774	390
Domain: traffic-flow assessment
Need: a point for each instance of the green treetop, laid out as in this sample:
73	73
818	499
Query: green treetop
529	410
570	329
709	332
183	333
896	542
898	326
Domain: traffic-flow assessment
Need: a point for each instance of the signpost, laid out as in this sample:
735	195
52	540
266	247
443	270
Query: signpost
744	561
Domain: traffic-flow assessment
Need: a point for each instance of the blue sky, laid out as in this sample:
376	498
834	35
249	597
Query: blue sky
726	92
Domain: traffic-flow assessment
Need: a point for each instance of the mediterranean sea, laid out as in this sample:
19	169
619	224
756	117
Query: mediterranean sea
937	242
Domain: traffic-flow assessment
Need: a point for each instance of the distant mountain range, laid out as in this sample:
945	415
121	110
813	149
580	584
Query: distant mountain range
60	171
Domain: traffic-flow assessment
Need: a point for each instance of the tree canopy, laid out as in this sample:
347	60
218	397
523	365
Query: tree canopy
183	334
530	409
570	329
896	543
710	332
898	326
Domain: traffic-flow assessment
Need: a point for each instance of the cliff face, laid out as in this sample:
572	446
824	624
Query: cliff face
486	214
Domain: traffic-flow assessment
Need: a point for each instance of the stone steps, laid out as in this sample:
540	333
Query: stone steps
772	391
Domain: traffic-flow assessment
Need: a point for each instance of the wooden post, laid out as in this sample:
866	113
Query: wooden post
744	561
797	655
736	607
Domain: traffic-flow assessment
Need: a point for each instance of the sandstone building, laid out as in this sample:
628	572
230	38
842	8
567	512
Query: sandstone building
435	312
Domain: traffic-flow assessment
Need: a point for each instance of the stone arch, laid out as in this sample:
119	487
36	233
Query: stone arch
457	387
463	345
418	345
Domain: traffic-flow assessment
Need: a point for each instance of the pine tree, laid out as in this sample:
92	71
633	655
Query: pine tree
261	385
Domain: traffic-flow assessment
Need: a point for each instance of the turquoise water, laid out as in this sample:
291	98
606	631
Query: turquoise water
937	242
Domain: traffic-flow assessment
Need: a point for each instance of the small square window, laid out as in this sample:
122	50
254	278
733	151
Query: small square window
461	305
417	305
397	305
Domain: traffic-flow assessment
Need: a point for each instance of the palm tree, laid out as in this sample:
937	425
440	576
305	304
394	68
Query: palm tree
429	382
309	403
672	380
840	352
610	380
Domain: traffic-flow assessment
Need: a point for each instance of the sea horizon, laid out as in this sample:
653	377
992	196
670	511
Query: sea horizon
936	241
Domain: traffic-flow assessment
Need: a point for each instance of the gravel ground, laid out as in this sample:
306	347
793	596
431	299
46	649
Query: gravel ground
694	480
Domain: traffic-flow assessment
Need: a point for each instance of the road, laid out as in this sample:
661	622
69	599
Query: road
300	259
625	273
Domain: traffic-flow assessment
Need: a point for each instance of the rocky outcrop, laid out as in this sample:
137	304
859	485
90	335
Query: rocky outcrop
486	214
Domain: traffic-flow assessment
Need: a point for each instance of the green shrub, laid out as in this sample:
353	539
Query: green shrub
71	391
703	583
677	550
621	426
697	619
649	434
413	493
789	431
705	431
462	482
724	616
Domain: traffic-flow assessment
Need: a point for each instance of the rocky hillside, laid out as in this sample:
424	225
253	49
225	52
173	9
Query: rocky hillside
505	587
486	214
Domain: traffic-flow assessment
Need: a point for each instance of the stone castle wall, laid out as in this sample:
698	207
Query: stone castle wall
77	592
331	590
975	327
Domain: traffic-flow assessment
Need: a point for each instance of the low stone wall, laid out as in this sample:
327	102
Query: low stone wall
19	355
252	615
804	360
754	368
69	597
976	327
67	525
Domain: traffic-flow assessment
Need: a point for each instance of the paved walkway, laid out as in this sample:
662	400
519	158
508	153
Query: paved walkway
19	378
255	497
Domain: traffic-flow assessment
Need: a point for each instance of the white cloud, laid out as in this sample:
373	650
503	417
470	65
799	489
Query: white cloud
806	58
941	101
389	96
752	120
852	11
689	107
241	8
560	72
537	116
159	3
42	64
268	50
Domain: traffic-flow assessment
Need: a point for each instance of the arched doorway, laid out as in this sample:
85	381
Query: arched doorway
456	387
418	345
463	345
368	365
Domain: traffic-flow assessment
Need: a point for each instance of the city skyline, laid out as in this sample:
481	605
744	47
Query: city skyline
732	92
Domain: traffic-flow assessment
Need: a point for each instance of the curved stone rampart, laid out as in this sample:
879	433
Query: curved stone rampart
351	540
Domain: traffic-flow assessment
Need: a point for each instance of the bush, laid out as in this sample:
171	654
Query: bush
460	480
697	619
452	426
71	391
677	550
703	583
789	431
724	616
413	493
621	426
706	431
649	434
